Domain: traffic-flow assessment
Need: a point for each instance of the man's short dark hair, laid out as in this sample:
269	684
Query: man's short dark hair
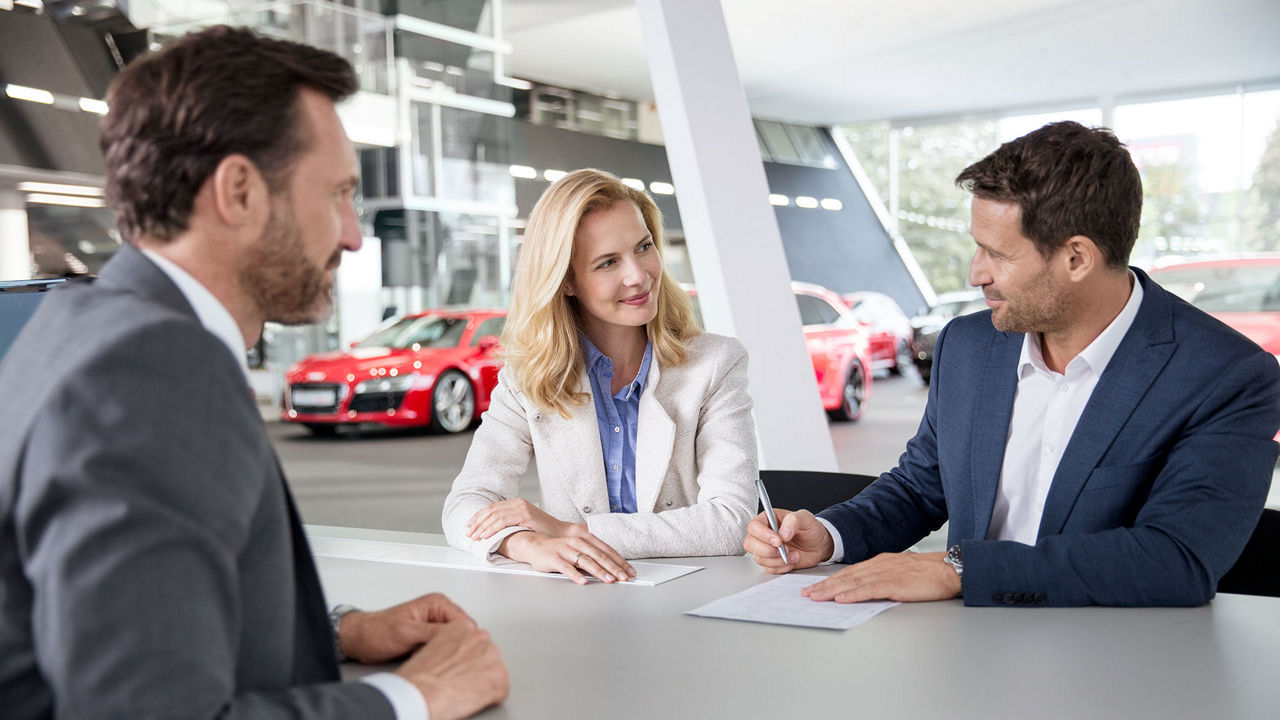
1068	180
176	113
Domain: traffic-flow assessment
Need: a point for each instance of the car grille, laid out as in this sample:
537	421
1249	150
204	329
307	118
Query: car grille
377	402
315	397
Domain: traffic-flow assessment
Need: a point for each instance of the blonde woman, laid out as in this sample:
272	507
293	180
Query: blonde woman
640	423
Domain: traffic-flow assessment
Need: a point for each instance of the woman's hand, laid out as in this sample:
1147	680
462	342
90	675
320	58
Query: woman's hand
511	513
570	556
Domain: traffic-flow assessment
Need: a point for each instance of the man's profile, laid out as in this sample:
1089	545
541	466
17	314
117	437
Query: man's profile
152	562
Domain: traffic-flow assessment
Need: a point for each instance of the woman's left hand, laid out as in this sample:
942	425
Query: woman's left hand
509	513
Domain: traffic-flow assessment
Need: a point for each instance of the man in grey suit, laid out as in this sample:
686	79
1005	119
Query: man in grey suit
151	560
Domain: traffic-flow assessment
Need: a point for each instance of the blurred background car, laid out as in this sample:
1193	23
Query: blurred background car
927	325
433	369
839	348
1243	292
889	329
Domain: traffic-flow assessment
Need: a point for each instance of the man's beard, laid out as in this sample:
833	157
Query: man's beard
280	278
1039	307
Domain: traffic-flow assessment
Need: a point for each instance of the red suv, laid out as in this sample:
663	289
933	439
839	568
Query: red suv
1243	292
839	348
437	368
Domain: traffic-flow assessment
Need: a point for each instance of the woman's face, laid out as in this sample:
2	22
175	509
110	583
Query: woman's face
615	270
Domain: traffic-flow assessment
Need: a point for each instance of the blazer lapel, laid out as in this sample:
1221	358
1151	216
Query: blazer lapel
1142	354
990	434
577	454
655	437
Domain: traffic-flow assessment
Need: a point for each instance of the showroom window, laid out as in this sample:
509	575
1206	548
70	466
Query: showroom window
1210	168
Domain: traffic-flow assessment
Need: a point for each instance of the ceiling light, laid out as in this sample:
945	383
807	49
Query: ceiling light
43	187
779	200
22	92
634	183
832	204
90	105
805	201
523	171
657	187
44	199
553	175
516	83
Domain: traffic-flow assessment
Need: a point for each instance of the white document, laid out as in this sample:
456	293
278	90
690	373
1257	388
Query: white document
647	574
779	602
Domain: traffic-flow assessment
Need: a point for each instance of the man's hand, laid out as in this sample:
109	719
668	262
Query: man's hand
460	672
904	577
808	542
571	556
509	513
383	635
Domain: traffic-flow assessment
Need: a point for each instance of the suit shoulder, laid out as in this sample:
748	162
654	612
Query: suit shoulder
1196	328
711	345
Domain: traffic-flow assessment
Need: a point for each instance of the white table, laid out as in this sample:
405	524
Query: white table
609	651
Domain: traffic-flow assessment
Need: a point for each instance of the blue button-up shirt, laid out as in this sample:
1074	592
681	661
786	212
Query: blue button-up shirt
616	415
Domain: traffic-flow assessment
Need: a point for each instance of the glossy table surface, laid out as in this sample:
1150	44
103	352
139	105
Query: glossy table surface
611	651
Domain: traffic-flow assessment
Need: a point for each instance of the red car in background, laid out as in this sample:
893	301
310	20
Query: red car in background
889	329
1243	292
838	345
432	369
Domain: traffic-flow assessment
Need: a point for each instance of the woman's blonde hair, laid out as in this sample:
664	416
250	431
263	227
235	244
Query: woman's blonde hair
543	354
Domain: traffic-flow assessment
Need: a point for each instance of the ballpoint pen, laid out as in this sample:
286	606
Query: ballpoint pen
773	519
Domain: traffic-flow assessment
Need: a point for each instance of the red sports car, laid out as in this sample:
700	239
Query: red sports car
437	368
839	349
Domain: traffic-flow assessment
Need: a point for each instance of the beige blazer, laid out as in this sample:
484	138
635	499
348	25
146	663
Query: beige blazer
695	461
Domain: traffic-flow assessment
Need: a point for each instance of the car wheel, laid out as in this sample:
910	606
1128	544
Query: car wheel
901	359
322	429
850	396
453	402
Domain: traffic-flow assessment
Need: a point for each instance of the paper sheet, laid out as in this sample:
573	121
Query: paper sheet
779	602
647	574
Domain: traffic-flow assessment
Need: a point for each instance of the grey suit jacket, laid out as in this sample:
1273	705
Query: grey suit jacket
695	460
151	563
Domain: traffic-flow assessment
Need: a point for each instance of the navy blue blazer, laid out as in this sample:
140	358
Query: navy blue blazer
1157	492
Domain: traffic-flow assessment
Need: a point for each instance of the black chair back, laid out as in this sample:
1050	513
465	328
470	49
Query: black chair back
812	491
18	301
1257	572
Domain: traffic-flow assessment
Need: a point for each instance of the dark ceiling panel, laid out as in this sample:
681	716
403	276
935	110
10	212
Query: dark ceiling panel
48	138
32	53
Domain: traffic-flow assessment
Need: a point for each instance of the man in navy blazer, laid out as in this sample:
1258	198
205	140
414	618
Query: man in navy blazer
1092	439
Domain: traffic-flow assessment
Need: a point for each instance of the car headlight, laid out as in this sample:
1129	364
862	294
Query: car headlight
402	383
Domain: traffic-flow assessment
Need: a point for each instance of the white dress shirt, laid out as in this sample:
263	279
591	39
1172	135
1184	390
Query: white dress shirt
1046	407
405	698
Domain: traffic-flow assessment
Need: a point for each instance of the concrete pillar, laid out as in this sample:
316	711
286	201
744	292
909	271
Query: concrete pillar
734	245
15	245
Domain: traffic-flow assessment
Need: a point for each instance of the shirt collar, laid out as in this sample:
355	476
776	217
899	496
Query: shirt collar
213	315
598	363
1098	354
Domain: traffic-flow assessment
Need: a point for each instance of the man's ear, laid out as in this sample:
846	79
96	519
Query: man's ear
1081	256
239	193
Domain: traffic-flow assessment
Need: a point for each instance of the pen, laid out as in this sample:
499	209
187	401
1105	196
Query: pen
773	519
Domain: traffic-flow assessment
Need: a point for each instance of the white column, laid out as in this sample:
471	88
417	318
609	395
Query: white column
15	246
735	248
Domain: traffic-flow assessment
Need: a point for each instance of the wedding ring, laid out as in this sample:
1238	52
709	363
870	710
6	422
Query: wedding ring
576	559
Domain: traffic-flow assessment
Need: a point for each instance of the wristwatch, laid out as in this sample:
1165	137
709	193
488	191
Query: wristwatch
335	619
954	559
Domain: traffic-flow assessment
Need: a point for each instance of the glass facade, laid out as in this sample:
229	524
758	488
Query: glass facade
1210	167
